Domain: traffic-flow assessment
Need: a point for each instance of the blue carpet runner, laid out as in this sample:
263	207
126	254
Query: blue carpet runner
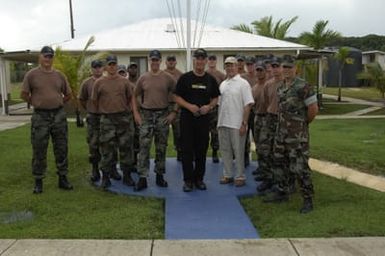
212	214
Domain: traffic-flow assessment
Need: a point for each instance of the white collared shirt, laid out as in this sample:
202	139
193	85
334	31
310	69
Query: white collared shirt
235	95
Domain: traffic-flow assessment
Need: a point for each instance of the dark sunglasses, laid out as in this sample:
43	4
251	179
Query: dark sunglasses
259	69
49	56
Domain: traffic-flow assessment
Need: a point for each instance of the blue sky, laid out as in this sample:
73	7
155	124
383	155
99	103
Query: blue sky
32	23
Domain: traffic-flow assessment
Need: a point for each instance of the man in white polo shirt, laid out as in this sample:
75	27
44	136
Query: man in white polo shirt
234	108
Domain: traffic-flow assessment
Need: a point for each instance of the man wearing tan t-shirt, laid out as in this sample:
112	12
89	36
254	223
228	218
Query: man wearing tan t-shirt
154	88
93	118
175	73
260	124
213	114
271	96
46	89
113	96
251	77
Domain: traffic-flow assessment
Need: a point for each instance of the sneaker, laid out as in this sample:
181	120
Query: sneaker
187	187
200	185
239	182
226	180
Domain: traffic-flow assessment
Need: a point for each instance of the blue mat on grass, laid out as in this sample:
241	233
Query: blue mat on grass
212	214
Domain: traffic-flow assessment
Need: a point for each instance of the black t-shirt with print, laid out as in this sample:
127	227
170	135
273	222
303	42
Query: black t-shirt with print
198	90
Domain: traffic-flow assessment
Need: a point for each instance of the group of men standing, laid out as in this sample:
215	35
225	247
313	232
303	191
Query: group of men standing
125	114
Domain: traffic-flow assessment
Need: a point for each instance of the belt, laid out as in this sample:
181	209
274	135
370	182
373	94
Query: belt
153	109
48	110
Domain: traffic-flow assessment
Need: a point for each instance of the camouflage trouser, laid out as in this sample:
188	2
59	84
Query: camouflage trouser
214	141
271	124
291	155
262	145
46	123
117	132
136	143
154	125
250	127
93	134
176	133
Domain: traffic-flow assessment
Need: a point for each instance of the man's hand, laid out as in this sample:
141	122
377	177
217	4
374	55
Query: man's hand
194	109
138	119
243	129
205	109
170	118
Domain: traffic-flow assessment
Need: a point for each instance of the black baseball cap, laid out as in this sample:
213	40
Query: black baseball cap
47	50
212	57
240	57
132	64
200	52
171	57
250	59
276	61
288	60
260	64
121	68
111	59
155	54
96	64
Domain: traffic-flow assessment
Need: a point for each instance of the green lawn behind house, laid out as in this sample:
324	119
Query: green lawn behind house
364	93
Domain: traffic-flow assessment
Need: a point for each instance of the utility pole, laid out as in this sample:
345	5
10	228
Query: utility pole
188	36
72	21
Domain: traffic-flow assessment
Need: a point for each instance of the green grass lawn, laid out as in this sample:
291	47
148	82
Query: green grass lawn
340	109
377	112
341	208
85	212
365	93
355	143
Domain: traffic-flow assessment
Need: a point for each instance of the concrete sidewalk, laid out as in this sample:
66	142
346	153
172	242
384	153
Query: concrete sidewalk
373	246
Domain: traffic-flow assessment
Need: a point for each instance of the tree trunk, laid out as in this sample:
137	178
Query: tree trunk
339	84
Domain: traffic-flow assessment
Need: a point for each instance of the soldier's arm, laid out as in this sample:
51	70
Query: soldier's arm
312	111
25	96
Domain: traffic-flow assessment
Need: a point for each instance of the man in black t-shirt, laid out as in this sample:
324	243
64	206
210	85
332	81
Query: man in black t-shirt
196	93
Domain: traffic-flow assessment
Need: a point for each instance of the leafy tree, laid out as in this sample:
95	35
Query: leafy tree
376	75
76	68
266	27
319	36
343	58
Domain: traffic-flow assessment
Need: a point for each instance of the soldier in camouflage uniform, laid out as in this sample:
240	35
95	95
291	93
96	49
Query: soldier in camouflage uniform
154	116
132	70
46	89
297	108
113	97
93	118
175	73
213	114
260	124
271	120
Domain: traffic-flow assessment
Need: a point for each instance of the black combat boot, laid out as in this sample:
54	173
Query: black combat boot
142	184
106	183
160	181
114	174
215	156
95	174
63	183
127	179
276	197
38	186
307	206
264	186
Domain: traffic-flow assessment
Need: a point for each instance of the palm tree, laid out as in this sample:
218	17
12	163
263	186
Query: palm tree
376	75
343	58
266	27
76	68
319	37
